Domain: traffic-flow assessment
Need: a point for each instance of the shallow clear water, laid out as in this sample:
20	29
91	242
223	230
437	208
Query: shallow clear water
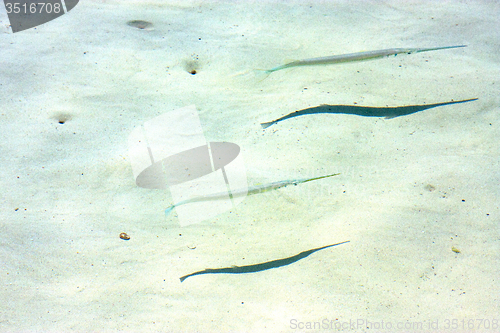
417	195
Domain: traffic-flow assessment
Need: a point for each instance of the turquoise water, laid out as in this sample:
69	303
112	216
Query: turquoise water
417	195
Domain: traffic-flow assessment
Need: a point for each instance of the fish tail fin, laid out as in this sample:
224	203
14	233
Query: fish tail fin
266	125
262	74
169	210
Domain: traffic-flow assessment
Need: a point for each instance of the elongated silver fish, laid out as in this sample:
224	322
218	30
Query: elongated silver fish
244	192
359	56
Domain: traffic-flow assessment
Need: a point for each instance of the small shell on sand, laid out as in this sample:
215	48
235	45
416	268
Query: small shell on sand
124	236
143	25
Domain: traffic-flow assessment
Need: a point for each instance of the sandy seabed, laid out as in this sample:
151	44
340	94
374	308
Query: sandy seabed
417	197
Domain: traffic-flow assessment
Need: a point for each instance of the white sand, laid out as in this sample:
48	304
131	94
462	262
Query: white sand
68	189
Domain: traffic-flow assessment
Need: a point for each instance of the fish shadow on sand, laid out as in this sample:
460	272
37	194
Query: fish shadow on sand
260	267
365	111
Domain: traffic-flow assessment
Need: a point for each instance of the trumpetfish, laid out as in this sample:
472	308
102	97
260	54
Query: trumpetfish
358	56
247	191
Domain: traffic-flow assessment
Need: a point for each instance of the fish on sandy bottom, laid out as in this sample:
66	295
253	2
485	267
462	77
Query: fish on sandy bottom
246	191
353	57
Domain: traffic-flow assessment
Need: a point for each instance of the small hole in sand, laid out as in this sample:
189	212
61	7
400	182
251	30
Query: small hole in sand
429	187
192	66
142	25
62	118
